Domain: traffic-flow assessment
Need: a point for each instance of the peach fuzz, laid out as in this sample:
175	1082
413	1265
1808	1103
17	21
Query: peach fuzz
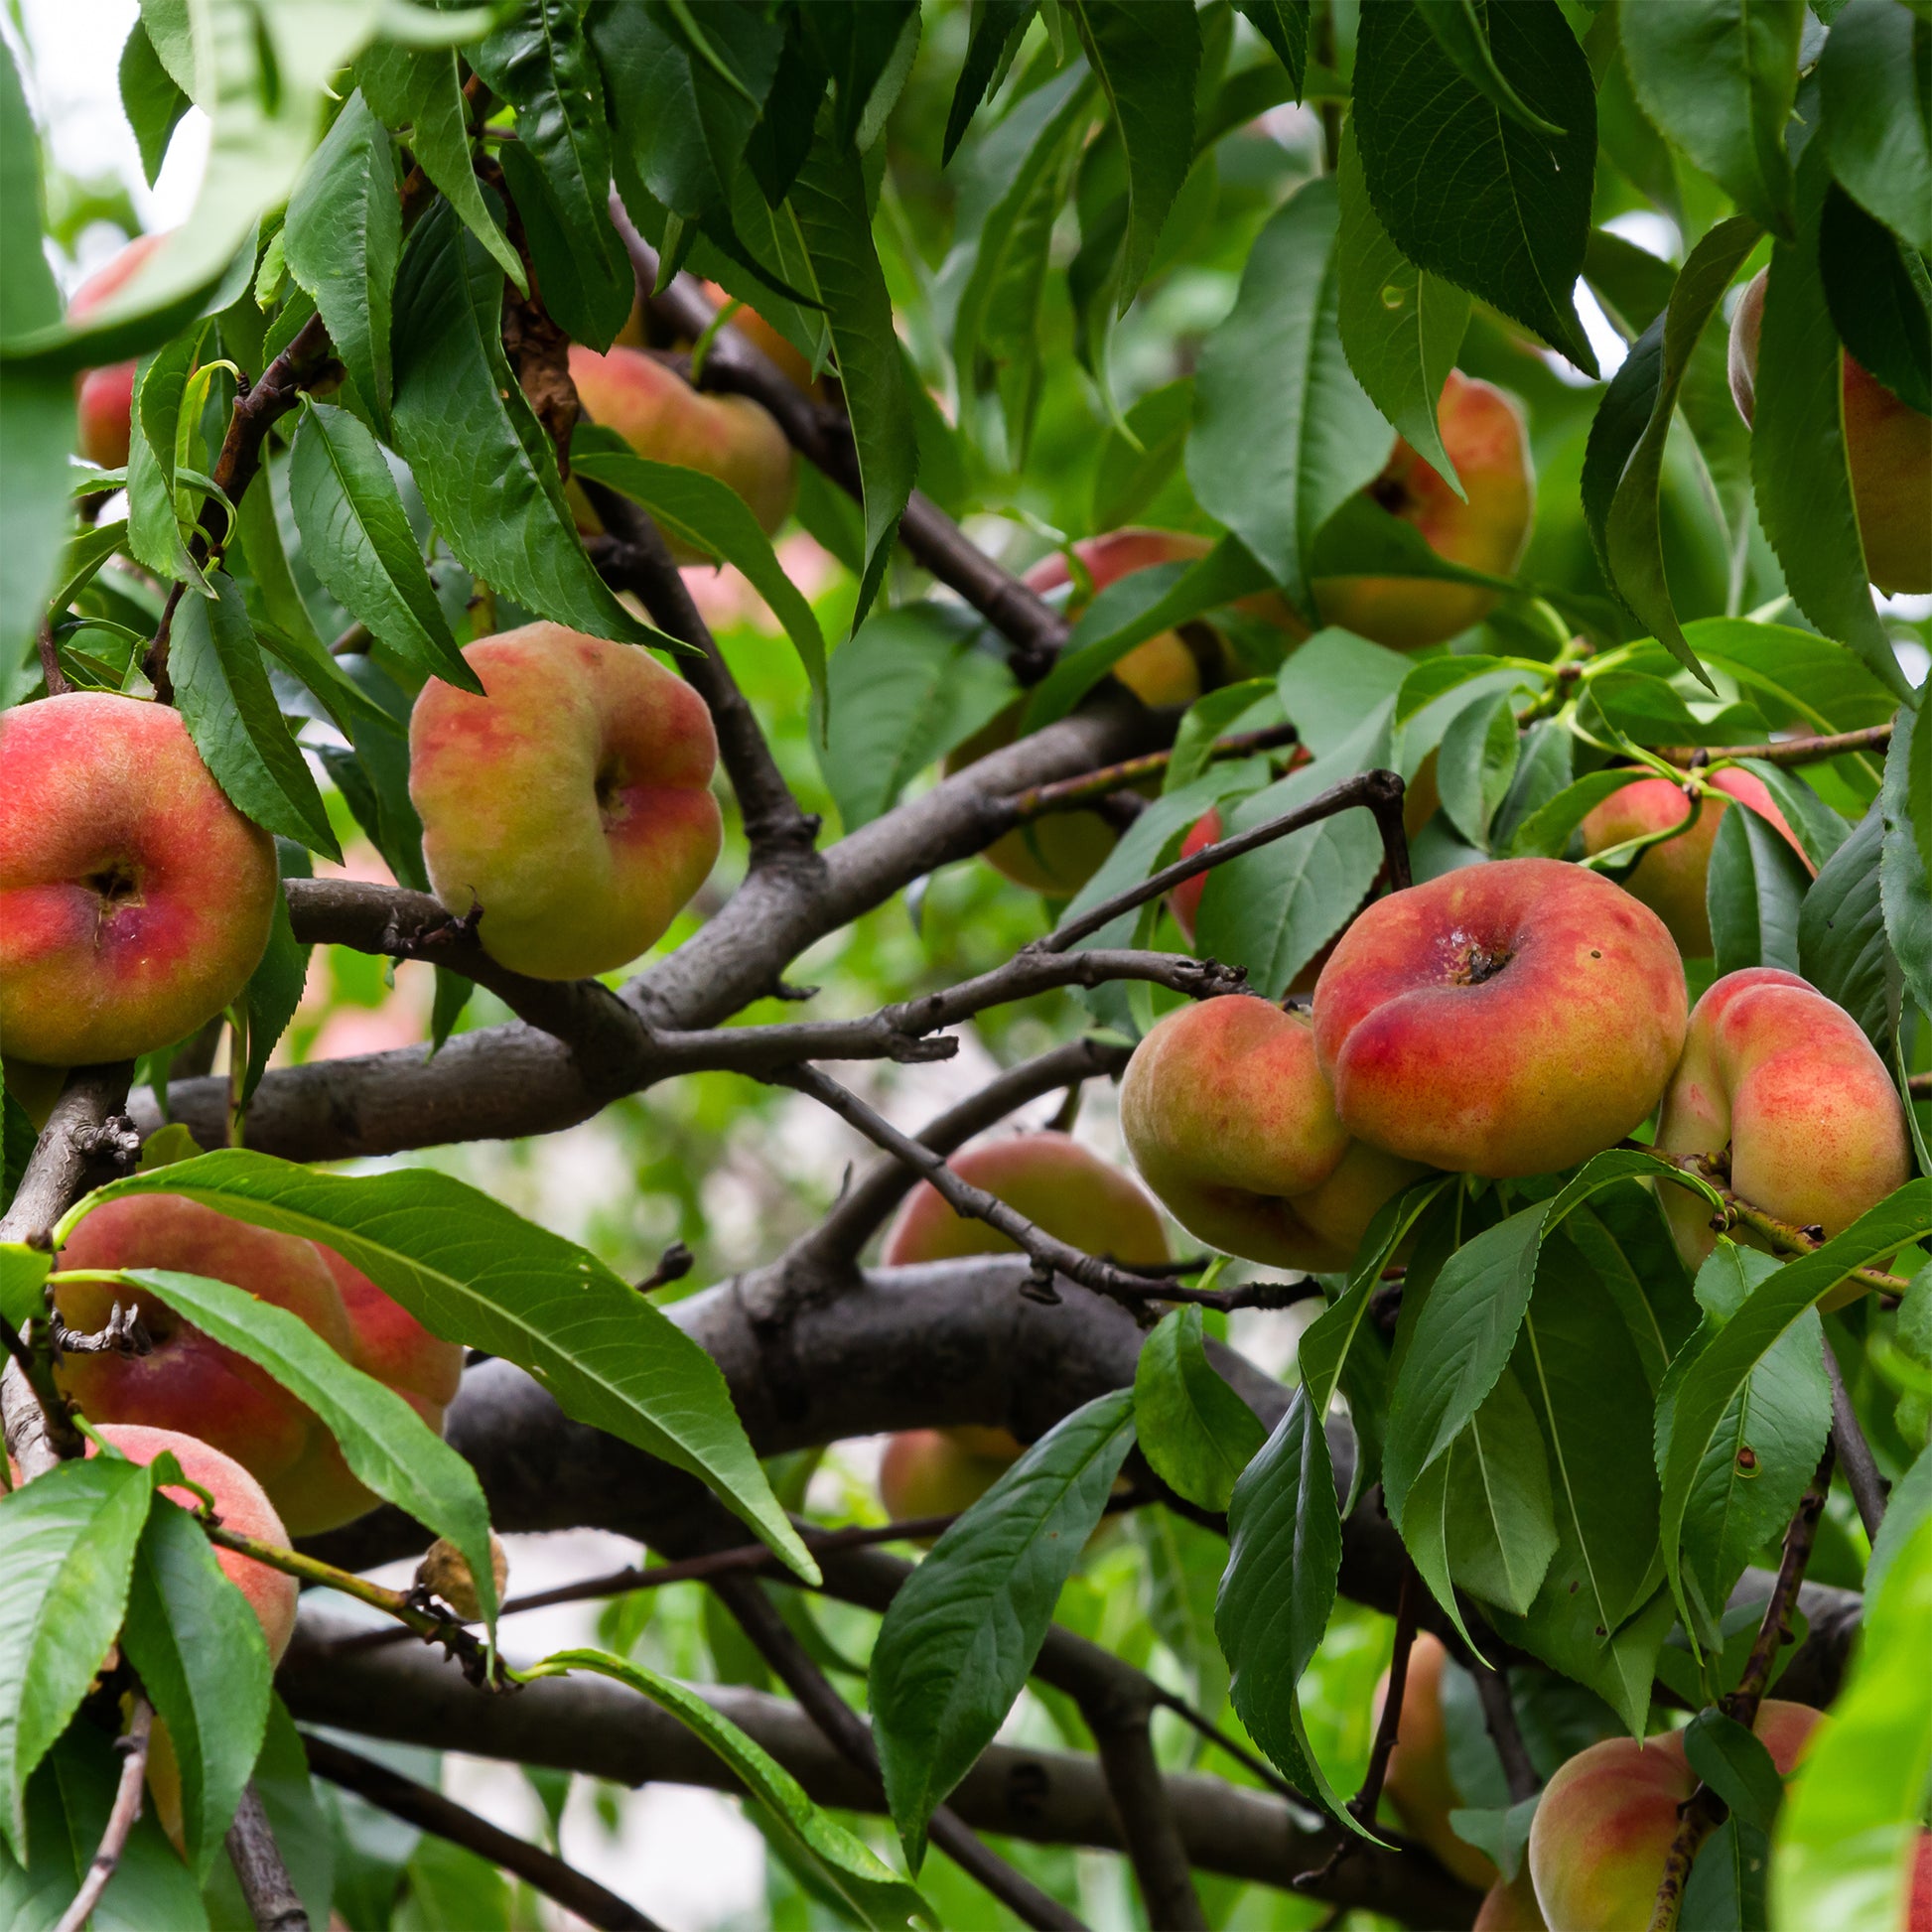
663	418
105	396
1785	1081
571	804
1887	449
1604	1826
1482	431
188	1381
1232	1125
135	901
1512	1018
1419	1783
1670	877
1056	1183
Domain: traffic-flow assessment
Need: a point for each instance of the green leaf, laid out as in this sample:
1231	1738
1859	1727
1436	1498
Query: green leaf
503	506
859	47
1465	191
1129	480
1459	30
472	1271
1819	829
150	97
1208	717
203	1662
1475	765
66	1550
1273	910
1870	78
1797	676
1500	1520
22	1270
275	987
387	1445
229	708
961	1635
869	1891
1798	458
1284	25
1851	1826
154	509
1721	1369
995	31
1333	682
1754	890
341	241
1734	1762
830	204
1132	609
1904	870
1284	433
1145	59
1843	949
1881	298
909	686
1401	326
355	537
1184	1568
264	72
1623	491
707	514
539	62
423	91
1194	1430
1720	79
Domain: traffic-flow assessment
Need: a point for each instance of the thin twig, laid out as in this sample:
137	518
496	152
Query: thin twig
1704	1811
775	1642
430	1811
1073	794
1499	1718
1788	750
266	1887
55	678
1855	1455
133	1746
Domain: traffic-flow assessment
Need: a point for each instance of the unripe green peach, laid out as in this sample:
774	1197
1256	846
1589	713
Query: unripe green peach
1505	1019
1482	431
1887	449
1232	1123
1785	1083
663	418
572	802
1605	1821
1061	1186
1670	877
135	901
1420	1784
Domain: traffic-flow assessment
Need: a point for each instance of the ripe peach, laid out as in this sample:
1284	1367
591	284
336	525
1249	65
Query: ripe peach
1505	1019
928	1472
662	417
242	1506
1887	449
1056	1183
134	900
1420	1784
106	395
1604	1826
1784	1080
1232	1123
1918	1901
1670	877
571	804
1184	900
1482	431
762	336
1509	1905
186	1381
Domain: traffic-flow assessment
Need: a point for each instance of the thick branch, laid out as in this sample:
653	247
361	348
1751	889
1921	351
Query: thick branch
431	1812
266	1886
593	1725
851	1737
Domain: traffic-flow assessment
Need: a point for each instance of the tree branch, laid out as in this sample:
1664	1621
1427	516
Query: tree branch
266	1886
1785	750
1499	1719
601	1728
849	1733
1074	794
430	1811
126	1809
1855	1455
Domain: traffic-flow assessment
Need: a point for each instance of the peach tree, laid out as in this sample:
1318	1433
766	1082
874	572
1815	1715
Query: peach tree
1328	602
